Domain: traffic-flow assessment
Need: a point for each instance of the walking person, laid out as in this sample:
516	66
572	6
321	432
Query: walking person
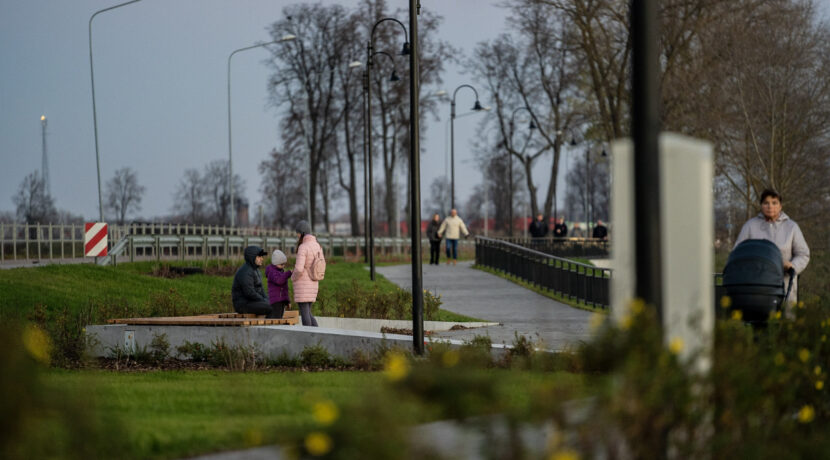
774	225
277	278
434	239
560	230
305	288
538	229
247	294
452	228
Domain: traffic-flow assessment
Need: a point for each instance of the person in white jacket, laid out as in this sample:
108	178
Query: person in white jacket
451	229
773	225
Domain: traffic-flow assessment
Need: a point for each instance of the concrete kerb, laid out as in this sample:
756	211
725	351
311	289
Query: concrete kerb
271	341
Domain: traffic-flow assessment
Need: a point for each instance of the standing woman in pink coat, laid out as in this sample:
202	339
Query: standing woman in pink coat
305	289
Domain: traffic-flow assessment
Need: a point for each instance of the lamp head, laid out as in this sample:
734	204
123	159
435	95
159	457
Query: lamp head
354	64
573	141
405	49
532	124
477	107
287	38
394	76
43	118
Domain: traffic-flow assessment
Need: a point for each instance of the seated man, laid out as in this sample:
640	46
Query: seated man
247	292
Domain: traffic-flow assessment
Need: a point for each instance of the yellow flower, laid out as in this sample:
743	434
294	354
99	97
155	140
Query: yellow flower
737	315
318	443
325	412
37	343
676	345
806	414
725	301
637	306
817	370
800	304
803	355
779	359
824	338
396	366
253	437
450	358
564	455
820	385
596	320
775	315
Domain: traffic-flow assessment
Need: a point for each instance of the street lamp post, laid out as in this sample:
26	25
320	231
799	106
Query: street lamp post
94	113
415	183
370	63
531	127
477	107
230	140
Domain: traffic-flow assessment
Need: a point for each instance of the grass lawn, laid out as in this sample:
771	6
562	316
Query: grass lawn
174	414
132	287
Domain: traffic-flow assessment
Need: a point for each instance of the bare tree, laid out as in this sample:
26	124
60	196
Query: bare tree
33	203
439	197
283	190
189	200
124	194
216	193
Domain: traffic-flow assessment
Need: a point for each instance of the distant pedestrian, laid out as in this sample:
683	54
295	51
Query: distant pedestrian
247	293
452	228
539	228
305	287
434	239
600	231
560	230
576	231
277	278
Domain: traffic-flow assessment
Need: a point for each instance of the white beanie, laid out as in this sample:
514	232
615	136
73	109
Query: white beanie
278	257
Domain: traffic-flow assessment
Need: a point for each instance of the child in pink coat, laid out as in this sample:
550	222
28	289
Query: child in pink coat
305	289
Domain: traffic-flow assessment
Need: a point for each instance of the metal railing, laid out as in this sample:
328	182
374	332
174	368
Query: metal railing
39	242
586	248
573	280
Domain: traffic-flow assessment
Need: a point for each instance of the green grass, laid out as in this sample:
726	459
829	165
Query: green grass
130	285
173	414
552	295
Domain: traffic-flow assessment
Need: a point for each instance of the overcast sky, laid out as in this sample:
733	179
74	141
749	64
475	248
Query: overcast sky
160	76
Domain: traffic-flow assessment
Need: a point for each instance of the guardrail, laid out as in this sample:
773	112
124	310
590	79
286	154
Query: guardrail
576	281
586	248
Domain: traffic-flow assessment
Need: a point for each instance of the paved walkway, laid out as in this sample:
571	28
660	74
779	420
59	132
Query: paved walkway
481	295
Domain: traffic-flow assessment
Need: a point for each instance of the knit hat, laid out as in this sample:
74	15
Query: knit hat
278	257
303	227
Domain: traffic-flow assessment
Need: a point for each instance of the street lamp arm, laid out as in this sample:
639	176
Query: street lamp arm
463	86
94	112
405	33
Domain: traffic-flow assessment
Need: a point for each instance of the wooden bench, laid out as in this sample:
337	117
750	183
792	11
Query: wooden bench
290	317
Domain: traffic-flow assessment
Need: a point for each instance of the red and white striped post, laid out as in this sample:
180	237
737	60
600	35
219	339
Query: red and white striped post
95	239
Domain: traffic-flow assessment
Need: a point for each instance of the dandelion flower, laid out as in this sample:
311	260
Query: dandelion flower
737	315
803	355
725	301
318	443
676	345
396	367
779	359
806	414
37	343
800	304
450	358
824	338
625	323
817	370
638	306
325	412
820	385
564	455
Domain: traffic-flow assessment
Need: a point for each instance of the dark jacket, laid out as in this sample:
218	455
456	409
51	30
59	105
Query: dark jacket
600	231
247	283
432	231
560	230
277	283
538	229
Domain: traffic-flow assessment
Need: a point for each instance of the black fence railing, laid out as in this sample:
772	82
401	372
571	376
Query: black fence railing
573	280
585	248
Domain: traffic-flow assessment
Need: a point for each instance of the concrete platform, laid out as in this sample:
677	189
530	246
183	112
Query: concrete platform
271	341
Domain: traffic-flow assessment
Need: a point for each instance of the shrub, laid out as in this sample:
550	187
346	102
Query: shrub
315	356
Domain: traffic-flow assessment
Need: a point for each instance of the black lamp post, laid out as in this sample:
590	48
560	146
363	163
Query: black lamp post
531	127
415	183
370	63
476	107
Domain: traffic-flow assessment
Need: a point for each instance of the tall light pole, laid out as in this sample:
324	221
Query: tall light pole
415	183
531	127
231	203
94	113
477	107
370	63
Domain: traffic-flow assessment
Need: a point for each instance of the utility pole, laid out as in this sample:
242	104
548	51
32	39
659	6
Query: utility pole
44	167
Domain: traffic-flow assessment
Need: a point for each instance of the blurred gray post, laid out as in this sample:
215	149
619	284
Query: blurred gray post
645	126
415	180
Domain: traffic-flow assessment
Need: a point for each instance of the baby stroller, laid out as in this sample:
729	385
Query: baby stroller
754	280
